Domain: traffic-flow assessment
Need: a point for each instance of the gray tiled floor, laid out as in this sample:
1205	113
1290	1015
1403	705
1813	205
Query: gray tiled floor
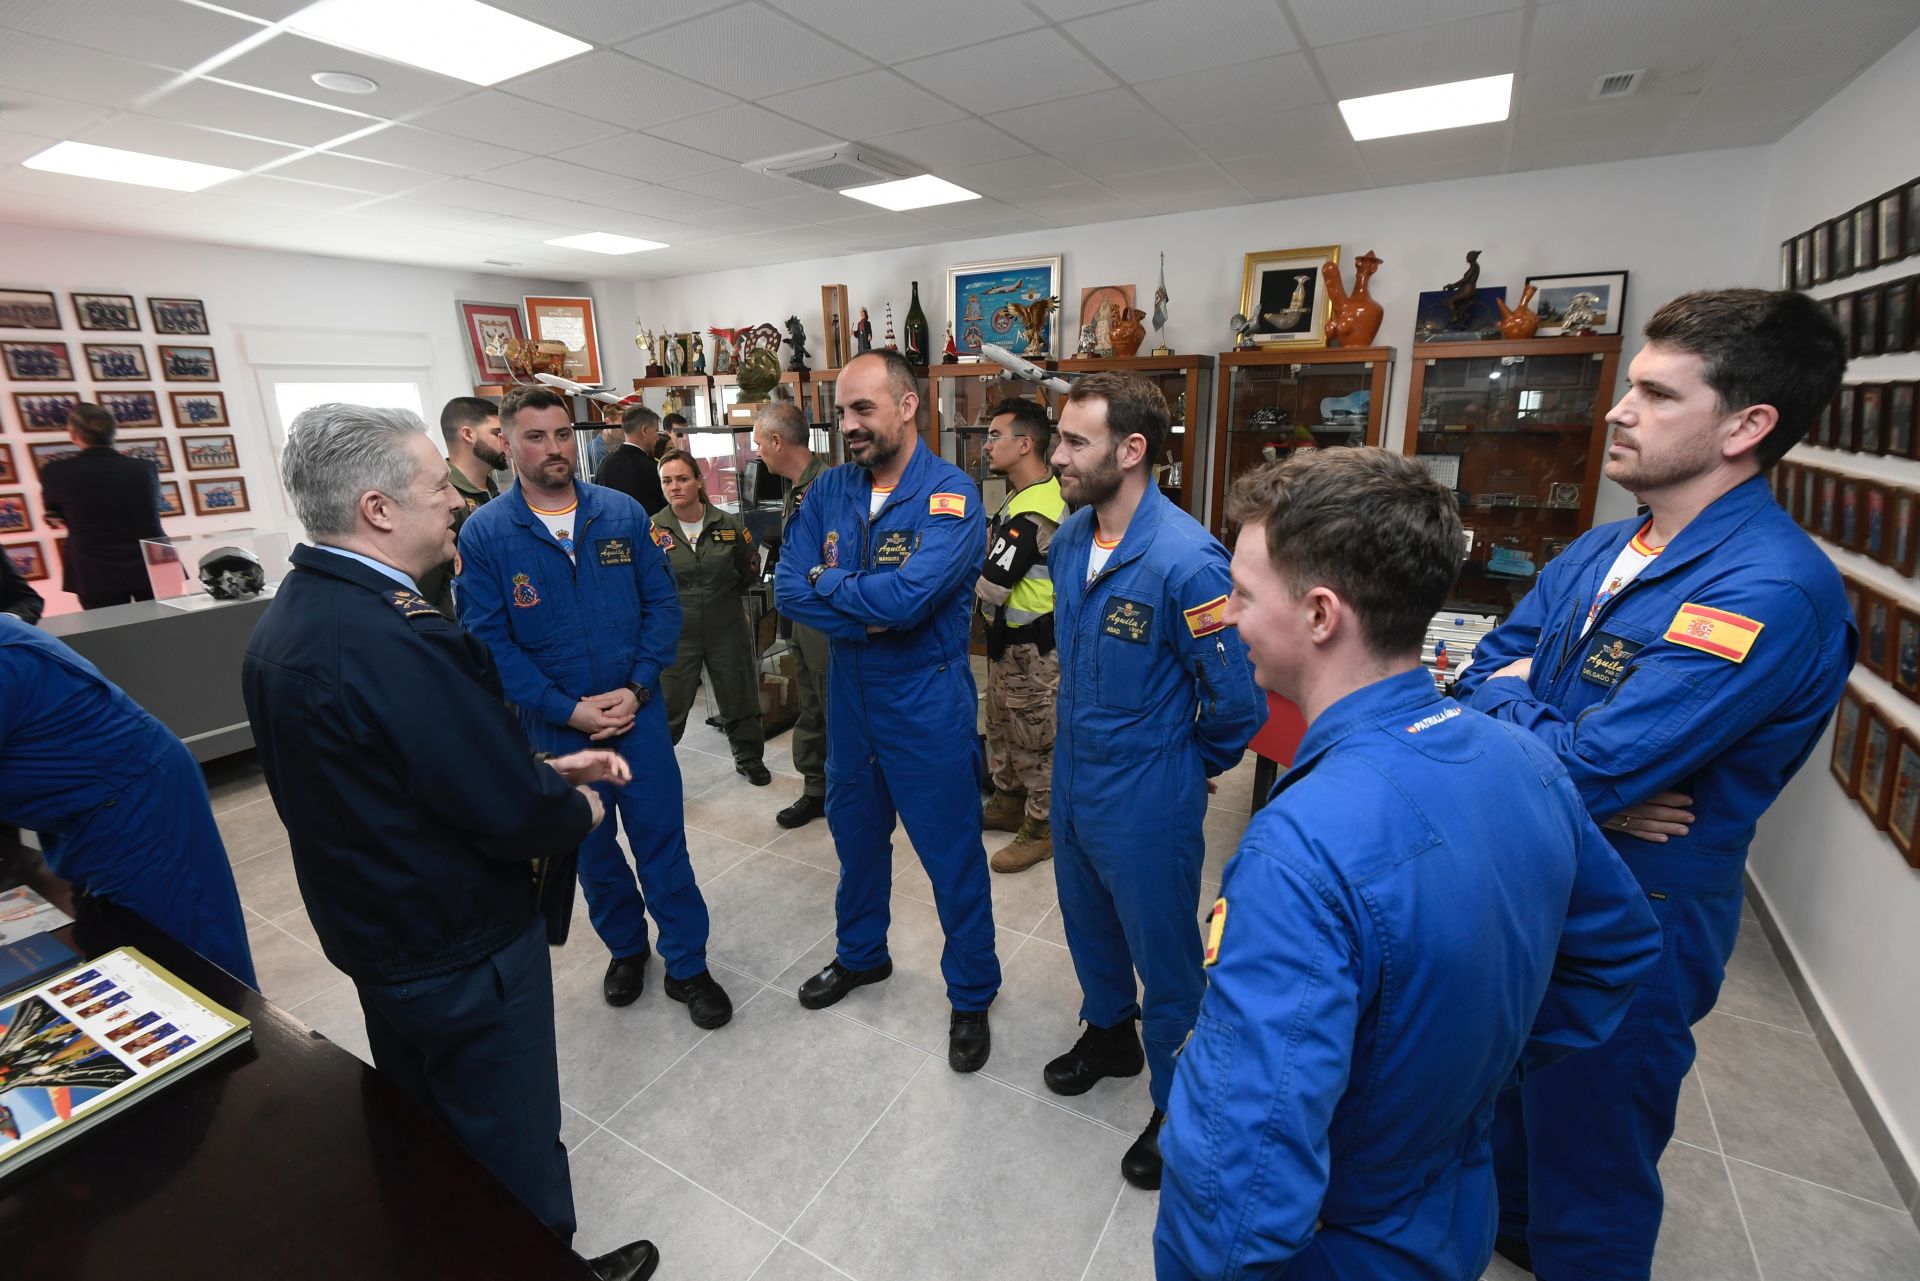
815	1146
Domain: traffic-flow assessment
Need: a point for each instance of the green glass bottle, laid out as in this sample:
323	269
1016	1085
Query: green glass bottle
916	332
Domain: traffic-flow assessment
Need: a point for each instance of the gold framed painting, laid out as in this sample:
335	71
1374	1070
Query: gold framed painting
570	321
1283	294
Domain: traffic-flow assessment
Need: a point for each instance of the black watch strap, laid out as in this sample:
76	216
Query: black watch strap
640	692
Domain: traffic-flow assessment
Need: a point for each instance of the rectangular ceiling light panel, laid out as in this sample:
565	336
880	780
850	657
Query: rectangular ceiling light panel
911	193
1447	106
460	38
605	242
111	164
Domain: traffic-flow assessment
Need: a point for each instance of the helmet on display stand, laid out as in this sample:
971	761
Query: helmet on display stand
232	573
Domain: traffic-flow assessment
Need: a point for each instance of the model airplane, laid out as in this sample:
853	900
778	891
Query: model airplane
1016	368
592	391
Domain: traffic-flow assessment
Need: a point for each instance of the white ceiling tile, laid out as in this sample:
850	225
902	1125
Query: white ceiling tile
806	237
356	175
471	193
1169	200
606	21
894	37
1082	201
1138	154
160	32
1425	157
1172	37
870	103
748	51
266	10
1291	182
967	213
813	206
1253	90
738	186
45	117
612	86
1837	44
948	146
415	213
1325	22
744	132
1303	129
659	202
1065	10
286	63
742	220
217	106
557	178
1092	117
530	232
268	190
588	217
82	192
1632	119
1574	42
1015	71
1201	179
182	142
1016	179
80	75
1746	115
1596	149
1462	50
880	224
500	118
15	147
434	152
642	156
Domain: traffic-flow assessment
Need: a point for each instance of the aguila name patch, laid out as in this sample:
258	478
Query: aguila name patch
893	549
1714	631
1606	659
1205	620
1130	620
614	551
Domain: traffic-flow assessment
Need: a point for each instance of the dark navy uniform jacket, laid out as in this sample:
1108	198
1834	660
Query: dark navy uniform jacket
1423	900
412	799
1712	674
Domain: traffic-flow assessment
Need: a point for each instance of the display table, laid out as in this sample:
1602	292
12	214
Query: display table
183	666
287	1158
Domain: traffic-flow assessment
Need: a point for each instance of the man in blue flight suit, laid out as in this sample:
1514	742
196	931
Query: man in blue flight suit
563	582
119	803
1422	903
1682	664
882	557
415	806
1155	699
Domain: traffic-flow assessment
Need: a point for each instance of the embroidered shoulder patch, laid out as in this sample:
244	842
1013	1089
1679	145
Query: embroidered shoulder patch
525	594
1216	926
411	604
663	539
1714	631
944	504
1205	620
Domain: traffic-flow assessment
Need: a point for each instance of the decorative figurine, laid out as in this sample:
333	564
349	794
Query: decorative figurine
759	374
699	356
892	345
1579	320
1033	315
1089	346
676	357
644	340
725	343
863	333
1103	331
951	355
1356	316
1518	322
1296	307
797	340
1460	293
1242	332
1160	312
1127	332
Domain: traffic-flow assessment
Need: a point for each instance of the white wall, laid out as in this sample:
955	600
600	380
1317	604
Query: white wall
1675	223
243	289
1843	896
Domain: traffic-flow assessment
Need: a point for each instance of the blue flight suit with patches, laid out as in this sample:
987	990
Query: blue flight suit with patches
1422	904
561	629
1671	689
903	712
119	803
1156	697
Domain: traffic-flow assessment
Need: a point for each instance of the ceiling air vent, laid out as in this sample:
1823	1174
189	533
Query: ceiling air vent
852	165
1617	84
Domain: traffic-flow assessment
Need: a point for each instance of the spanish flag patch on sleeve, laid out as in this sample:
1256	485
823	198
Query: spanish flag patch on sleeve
1205	620
944	504
1714	631
1216	926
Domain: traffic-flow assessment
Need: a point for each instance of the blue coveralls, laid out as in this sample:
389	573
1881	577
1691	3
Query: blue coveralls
1156	696
561	630
1632	712
119	803
902	710
1418	882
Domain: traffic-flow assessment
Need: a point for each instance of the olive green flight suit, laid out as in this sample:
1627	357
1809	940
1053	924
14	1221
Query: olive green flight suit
810	667
712	574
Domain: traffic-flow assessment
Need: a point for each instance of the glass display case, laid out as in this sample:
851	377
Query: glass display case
1518	431
726	395
957	418
689	394
1185	381
727	461
1274	402
816	398
206	571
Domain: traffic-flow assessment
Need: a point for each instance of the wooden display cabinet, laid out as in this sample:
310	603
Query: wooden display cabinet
961	395
1518	431
816	401
1271	403
792	388
691	393
1185	381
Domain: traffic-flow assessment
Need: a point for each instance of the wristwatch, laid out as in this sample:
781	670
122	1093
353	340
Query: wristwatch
640	692
813	575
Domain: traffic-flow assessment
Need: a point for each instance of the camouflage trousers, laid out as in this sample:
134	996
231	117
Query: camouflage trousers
1022	688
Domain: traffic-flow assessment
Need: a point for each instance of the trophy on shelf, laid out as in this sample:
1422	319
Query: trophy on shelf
1033	315
644	341
1242	332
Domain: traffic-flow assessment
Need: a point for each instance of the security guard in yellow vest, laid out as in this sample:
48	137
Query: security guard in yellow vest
714	562
1016	597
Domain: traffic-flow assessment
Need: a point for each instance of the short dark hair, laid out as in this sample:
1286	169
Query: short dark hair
1029	418
1761	347
531	396
465	411
674	422
95	425
1135	407
637	418
902	377
1373	526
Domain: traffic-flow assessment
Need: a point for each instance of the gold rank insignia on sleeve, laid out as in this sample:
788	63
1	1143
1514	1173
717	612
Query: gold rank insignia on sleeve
1714	631
1216	925
1205	620
946	504
411	604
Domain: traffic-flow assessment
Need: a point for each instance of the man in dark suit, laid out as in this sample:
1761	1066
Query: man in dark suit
108	502
630	468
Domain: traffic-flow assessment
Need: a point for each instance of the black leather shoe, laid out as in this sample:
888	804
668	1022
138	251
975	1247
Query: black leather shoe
626	979
802	812
1514	1250
634	1262
1099	1053
756	773
969	1040
706	1001
1141	1165
834	982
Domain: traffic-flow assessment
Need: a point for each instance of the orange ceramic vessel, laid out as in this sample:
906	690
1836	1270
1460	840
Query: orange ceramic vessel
1356	316
1519	322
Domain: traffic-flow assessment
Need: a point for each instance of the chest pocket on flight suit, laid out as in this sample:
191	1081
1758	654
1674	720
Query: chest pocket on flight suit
532	612
1124	642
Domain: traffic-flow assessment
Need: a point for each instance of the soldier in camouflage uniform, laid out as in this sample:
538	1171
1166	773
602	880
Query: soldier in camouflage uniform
780	434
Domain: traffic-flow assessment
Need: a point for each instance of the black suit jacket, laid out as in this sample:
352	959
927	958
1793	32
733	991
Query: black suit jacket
17	596
632	471
109	503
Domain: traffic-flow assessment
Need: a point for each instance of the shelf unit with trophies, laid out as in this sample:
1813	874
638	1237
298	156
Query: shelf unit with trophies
959	398
1518	431
1185	381
726	393
691	394
1272	402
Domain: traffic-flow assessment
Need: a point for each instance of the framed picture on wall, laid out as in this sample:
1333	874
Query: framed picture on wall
1870	404
489	327
1851	525
219	497
1786	265
1904	813
1873	520
1902	536
570	321
1842	246
1890	216
37	362
28	561
1866	241
117	362
170	501
1902	433
1876	764
1866	322
1803	260
15	518
28	309
44	410
114	312
1806	482
178	315
133	410
1782	484
1281	293
1822	254
151	449
1844	763
1906	652
50	451
189	365
199	408
210	453
1876	632
1896	315
1827	507
9	472
1842	306
983	299
1912	217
